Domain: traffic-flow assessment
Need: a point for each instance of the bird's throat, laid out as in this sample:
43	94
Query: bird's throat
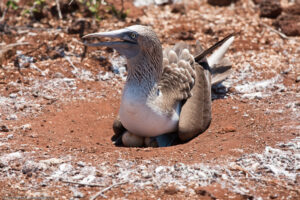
143	74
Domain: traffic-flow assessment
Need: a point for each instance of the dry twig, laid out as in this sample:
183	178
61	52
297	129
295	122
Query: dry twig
18	28
122	3
274	30
100	193
35	49
71	2
71	63
58	9
3	15
84	184
4	48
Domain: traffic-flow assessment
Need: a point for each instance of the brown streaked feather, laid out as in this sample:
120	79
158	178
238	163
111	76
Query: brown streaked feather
178	75
195	114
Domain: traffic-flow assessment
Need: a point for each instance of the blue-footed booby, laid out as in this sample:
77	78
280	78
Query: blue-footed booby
166	99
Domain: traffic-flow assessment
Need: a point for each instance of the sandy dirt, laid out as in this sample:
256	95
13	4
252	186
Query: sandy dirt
58	101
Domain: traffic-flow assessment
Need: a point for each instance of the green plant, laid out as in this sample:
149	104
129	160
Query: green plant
13	4
120	14
36	7
93	6
39	2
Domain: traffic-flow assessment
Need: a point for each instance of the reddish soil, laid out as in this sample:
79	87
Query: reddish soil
74	124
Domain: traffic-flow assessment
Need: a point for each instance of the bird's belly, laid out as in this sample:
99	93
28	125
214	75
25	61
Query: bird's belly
142	120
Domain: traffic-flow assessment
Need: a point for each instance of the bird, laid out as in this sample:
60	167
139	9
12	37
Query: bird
166	99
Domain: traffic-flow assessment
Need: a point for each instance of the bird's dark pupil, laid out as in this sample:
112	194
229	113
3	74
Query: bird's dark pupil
132	35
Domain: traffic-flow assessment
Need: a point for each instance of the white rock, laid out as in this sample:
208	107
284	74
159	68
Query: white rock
6	158
10	136
159	169
65	167
255	95
26	127
13	95
81	164
52	161
89	179
105	77
76	193
12	117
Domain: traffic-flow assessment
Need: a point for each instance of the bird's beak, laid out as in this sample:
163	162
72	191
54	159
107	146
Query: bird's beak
120	34
126	46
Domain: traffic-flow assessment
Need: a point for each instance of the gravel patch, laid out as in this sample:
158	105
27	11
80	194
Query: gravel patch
278	164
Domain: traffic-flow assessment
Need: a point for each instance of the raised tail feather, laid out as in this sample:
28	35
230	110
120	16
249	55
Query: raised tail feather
220	67
220	71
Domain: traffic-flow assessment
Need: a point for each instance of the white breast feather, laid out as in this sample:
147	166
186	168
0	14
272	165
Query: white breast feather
144	120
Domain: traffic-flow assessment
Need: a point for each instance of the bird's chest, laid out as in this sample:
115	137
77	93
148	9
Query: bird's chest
139	118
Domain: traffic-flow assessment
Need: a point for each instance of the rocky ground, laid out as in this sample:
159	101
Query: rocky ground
58	101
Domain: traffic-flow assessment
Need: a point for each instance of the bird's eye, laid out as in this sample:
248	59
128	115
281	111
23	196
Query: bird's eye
133	35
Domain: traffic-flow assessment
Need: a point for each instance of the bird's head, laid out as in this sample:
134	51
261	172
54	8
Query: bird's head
133	41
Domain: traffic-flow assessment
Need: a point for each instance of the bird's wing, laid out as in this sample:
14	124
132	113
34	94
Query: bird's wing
189	79
195	116
178	75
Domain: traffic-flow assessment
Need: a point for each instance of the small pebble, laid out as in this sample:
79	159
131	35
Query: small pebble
76	193
274	196
4	128
81	164
58	75
35	93
10	136
13	95
26	127
171	190
44	184
48	97
229	128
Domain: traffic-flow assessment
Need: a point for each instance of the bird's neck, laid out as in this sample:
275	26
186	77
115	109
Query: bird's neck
144	72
